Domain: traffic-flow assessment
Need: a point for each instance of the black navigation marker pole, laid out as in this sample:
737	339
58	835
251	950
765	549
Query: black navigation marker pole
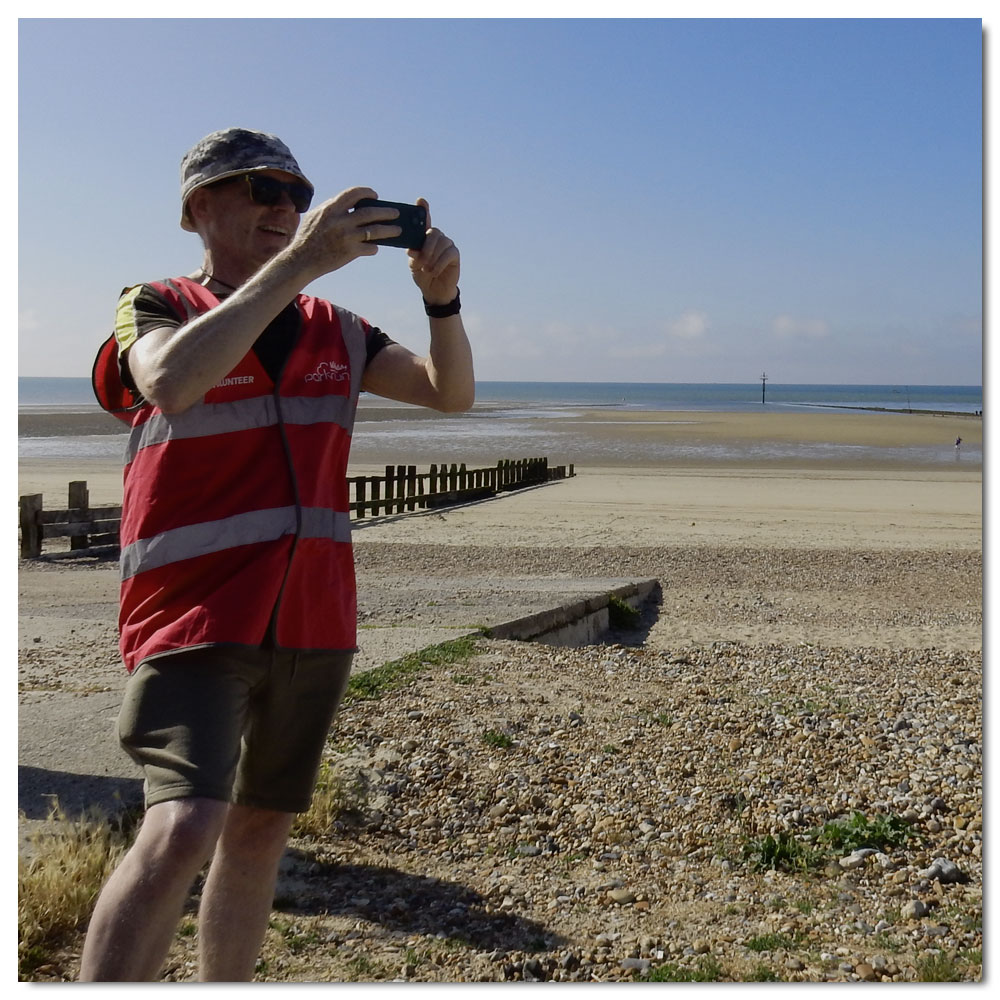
763	388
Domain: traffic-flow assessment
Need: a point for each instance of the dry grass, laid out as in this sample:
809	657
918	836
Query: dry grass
57	887
333	797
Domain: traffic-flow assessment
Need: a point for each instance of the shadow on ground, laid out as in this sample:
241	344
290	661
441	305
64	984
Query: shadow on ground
39	789
414	904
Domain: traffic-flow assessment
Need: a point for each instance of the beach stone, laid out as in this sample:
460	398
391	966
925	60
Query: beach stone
914	910
856	859
622	896
648	944
865	972
533	971
945	871
636	964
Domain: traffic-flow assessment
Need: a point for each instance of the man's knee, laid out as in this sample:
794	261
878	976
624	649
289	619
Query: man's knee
255	833
182	831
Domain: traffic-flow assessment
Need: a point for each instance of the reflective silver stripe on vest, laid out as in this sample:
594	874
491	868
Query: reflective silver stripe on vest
228	532
317	410
207	419
320	522
353	332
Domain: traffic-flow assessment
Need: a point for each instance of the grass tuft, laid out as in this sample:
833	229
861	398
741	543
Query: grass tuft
621	614
57	888
780	853
372	684
332	798
495	738
788	853
707	970
879	833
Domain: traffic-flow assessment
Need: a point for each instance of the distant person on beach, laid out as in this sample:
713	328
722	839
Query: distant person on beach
238	604
958	442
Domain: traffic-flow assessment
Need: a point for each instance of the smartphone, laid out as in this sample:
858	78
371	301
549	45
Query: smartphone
412	219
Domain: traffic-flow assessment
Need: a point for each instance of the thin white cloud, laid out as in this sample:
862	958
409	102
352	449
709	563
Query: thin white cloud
787	327
690	325
27	320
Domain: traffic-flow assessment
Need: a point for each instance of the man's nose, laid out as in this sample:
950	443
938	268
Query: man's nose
285	203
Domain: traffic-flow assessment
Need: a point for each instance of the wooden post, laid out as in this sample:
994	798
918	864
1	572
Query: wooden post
30	513
79	510
375	504
411	487
400	488
360	493
389	489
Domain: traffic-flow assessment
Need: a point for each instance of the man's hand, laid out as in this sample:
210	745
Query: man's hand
333	235
436	265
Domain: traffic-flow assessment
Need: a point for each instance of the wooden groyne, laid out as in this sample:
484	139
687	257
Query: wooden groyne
400	490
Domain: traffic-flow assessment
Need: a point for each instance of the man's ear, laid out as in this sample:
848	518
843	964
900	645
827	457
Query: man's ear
195	206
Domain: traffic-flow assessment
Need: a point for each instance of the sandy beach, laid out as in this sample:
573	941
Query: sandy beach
847	543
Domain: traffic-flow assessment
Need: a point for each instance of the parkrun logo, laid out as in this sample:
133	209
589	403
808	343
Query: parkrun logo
329	371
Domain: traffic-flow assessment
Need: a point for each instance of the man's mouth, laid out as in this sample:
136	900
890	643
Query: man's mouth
275	229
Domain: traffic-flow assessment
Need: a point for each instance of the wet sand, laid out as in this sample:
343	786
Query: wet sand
748	445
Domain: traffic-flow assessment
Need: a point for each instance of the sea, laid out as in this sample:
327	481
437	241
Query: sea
504	411
76	395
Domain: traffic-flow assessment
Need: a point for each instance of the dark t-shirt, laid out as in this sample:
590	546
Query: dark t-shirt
150	311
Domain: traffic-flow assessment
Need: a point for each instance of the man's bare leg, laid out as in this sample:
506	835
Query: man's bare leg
239	892
137	912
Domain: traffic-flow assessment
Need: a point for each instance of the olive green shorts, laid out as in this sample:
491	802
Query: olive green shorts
234	723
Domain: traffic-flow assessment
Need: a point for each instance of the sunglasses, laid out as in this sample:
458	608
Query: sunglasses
266	190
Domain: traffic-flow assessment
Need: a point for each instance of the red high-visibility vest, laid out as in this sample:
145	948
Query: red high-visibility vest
237	509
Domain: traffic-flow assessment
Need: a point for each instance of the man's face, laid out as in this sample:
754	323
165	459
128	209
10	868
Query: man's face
236	230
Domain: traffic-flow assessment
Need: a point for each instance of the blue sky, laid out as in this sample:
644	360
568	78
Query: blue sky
635	200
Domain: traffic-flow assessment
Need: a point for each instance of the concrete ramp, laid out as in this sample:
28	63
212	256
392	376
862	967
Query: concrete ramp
577	623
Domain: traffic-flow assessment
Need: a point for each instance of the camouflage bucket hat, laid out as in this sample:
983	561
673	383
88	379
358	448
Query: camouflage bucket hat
230	152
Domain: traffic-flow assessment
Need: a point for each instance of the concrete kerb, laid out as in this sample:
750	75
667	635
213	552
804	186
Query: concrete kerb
577	622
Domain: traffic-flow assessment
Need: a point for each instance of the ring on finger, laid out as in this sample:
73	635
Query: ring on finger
368	235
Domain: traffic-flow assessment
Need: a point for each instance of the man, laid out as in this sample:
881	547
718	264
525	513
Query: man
237	604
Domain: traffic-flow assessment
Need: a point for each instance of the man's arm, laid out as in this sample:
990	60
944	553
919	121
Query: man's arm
174	368
444	379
